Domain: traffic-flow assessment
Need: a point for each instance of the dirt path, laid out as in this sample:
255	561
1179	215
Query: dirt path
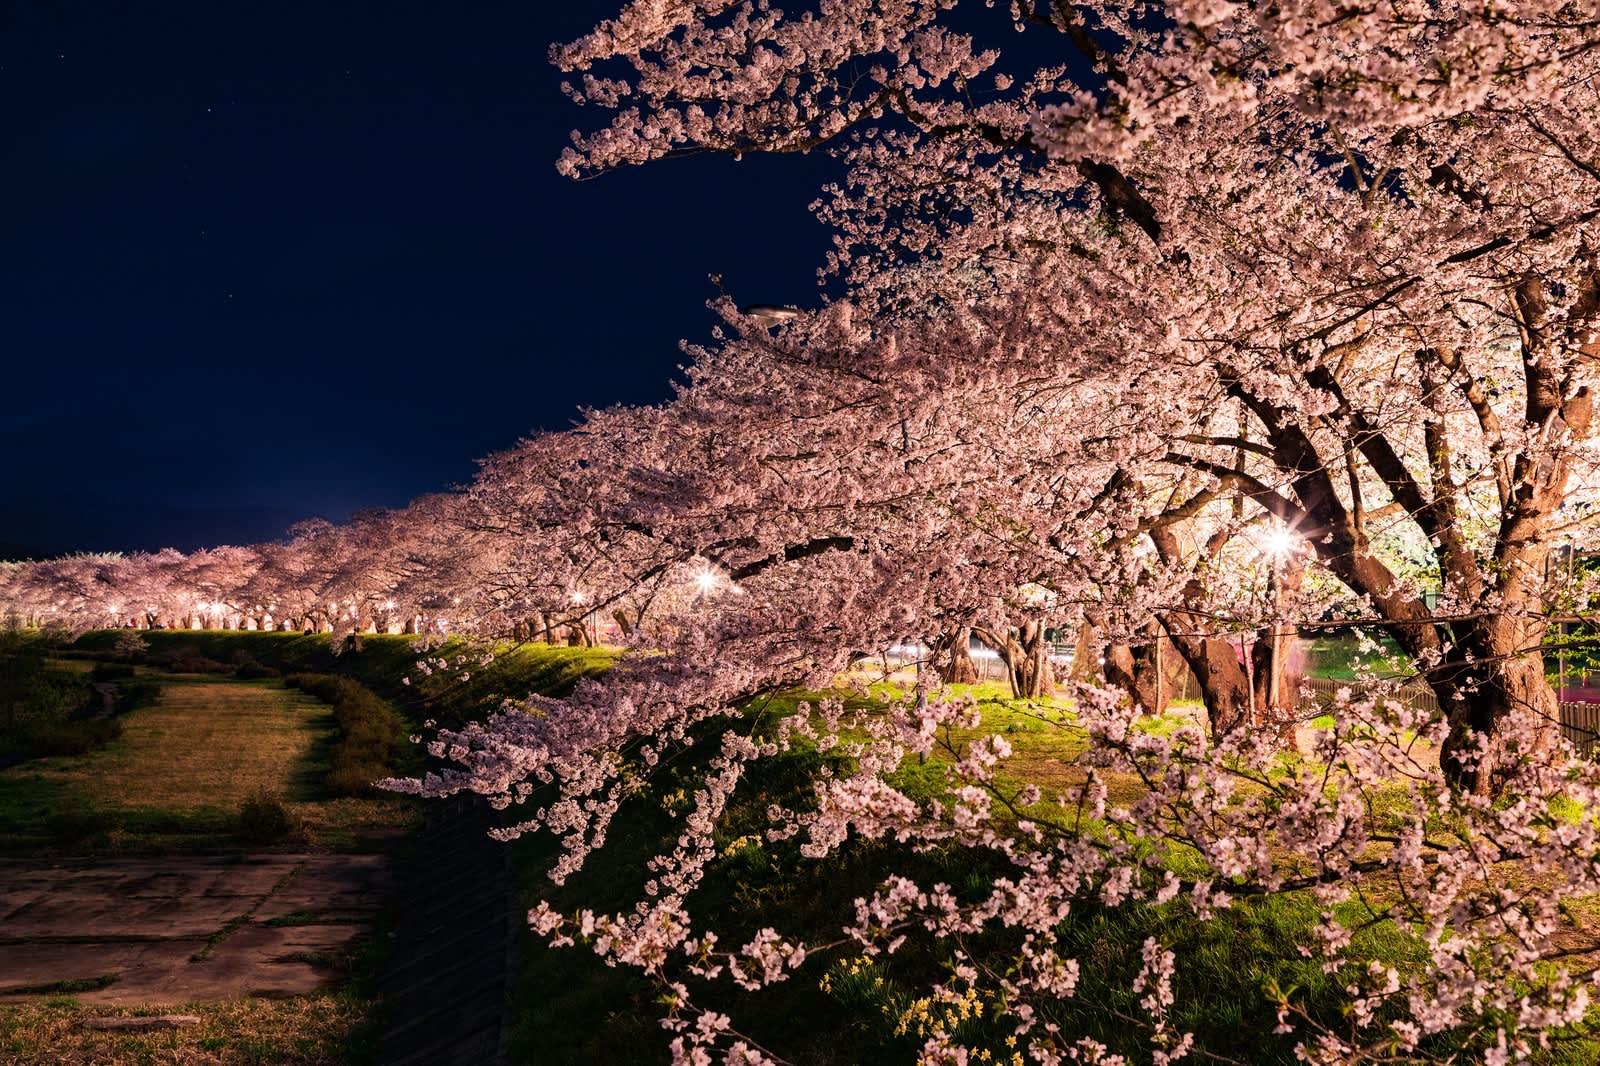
183	929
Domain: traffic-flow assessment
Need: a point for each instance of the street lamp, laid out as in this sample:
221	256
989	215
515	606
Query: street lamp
1278	543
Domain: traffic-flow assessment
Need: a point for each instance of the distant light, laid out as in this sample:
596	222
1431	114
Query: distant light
706	580
578	598
388	605
771	314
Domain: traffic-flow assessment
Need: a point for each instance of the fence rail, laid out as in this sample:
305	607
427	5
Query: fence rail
1580	722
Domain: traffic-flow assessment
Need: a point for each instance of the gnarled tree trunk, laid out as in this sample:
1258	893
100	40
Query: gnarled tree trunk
1145	670
1501	707
1026	655
952	656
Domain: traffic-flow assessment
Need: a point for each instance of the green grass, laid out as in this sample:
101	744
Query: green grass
369	734
1232	972
1341	658
383	661
212	741
180	773
571	1008
177	781
321	1030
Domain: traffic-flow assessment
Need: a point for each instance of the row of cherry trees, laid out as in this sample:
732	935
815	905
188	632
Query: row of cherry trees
321	578
1209	282
1223	320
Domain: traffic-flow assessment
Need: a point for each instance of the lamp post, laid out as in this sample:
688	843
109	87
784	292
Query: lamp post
1279	543
592	631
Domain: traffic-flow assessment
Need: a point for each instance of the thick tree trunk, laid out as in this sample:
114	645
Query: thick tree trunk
1220	677
1498	699
1143	671
1275	661
1086	654
1027	659
952	657
1277	669
1218	673
1032	675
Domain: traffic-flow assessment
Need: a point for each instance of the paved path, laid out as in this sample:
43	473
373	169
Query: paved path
184	928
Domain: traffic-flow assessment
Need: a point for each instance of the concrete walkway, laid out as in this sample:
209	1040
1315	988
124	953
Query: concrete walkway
183	928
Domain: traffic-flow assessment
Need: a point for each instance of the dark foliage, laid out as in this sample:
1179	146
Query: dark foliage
371	733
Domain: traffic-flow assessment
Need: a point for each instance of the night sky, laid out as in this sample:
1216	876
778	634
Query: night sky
260	262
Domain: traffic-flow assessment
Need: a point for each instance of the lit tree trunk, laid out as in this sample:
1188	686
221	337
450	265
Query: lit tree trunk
1031	672
952	657
1275	661
1026	657
1499	695
1220	676
1141	670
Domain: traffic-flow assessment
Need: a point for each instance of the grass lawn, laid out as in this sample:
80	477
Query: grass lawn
180	772
76	666
1341	658
383	661
185	763
838	1008
206	744
322	1030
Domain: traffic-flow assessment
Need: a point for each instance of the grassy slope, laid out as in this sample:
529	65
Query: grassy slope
572	1009
840	1008
174	781
180	770
381	663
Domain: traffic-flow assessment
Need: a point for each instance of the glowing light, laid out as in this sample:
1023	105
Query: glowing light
1279	543
578	598
706	580
388	605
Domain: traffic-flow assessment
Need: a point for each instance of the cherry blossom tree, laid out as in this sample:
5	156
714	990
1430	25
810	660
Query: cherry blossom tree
1364	234
1216	319
1225	269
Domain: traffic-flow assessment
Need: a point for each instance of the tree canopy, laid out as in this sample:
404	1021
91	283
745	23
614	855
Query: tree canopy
1186	324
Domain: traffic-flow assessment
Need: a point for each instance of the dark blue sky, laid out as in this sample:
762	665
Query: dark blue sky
265	261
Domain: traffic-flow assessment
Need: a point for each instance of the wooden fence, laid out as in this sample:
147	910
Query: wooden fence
1580	722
